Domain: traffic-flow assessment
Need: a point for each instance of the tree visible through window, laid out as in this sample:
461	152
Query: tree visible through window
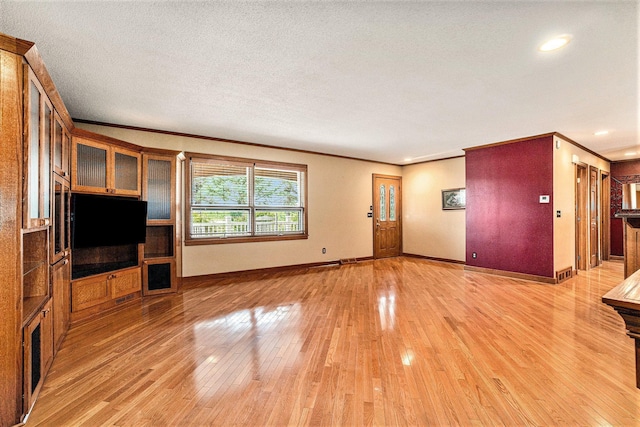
241	199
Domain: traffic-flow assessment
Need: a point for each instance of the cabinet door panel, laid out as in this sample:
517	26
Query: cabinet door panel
91	171
38	354
127	172
61	279
60	219
89	292
47	337
125	283
32	369
33	152
159	185
45	164
60	148
159	276
38	116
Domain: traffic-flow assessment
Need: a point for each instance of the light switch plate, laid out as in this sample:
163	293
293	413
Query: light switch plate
544	199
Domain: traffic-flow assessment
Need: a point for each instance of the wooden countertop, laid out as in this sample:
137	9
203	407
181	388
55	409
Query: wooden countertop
626	294
628	213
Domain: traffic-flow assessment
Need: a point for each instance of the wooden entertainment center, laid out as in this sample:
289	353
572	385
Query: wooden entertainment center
44	160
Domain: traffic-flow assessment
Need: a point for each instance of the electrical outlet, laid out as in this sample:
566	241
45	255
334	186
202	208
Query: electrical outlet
324	250
474	255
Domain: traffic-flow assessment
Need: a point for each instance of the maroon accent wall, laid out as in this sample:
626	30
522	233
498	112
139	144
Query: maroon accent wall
621	172
506	225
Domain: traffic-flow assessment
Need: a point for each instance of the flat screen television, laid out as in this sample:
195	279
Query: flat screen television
107	221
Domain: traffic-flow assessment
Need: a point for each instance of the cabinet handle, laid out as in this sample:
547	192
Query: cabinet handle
66	261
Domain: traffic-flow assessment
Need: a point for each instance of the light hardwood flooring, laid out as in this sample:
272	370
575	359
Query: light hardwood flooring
389	342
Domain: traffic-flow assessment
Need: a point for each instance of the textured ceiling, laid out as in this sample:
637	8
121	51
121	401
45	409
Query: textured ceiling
383	81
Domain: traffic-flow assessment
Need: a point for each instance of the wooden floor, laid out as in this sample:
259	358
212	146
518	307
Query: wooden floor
389	342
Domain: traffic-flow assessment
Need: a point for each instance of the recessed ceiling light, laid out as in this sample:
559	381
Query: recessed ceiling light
555	43
601	133
632	153
408	159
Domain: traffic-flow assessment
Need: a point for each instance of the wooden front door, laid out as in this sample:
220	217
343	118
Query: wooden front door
387	216
593	217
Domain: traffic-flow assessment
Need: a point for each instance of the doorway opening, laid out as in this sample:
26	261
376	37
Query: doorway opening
582	225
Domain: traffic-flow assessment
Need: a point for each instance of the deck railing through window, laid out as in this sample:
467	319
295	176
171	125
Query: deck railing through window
230	228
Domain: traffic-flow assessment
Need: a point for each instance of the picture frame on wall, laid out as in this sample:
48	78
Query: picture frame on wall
453	198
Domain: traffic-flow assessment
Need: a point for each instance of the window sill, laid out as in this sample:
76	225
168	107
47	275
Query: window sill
227	240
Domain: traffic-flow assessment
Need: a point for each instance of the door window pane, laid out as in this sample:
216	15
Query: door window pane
392	203
383	203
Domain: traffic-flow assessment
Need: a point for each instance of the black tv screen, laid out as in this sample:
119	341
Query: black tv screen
107	221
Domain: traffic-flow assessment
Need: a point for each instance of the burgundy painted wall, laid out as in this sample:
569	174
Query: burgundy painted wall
506	225
626	171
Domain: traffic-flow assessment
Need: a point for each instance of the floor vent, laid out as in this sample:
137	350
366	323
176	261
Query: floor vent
348	261
125	298
563	275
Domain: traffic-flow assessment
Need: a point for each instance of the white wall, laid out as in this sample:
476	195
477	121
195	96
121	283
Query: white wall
339	196
428	230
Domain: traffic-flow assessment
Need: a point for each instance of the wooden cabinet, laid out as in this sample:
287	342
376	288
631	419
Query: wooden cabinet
104	290
61	294
631	242
38	119
38	354
102	168
34	126
159	190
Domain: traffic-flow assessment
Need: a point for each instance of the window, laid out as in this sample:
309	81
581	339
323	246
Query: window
240	200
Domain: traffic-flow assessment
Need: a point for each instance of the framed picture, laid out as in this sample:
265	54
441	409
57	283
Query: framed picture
453	198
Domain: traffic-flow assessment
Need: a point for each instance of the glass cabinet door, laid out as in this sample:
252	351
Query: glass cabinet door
37	153
159	183
126	167
60	242
104	168
61	147
91	166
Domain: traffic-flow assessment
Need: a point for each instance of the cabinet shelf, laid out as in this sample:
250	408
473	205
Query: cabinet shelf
30	267
30	306
159	241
